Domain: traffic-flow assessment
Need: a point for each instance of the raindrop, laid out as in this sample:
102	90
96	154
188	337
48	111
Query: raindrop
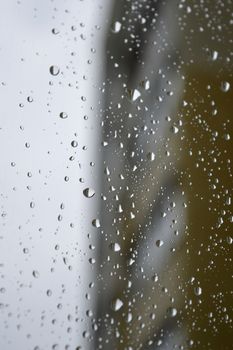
89	192
133	94
214	55
63	115
129	317
159	243
55	31
49	292
155	278
116	27
151	156
197	291
225	86
145	84
35	274
96	223
172	312
92	261
54	70
174	129
29	99
74	143
116	304
115	247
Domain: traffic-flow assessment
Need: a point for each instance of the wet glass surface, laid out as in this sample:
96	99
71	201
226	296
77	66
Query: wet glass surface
116	177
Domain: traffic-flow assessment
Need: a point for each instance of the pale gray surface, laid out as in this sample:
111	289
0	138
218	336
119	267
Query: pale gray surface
27	50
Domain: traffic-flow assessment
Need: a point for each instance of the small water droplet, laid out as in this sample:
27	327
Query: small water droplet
49	292
55	31
63	115
145	84
197	291
214	55
35	274
225	86
151	156
155	278
29	99
171	311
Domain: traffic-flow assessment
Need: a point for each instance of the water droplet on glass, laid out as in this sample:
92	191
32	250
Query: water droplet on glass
89	192
151	156
171	311
29	99
54	70
197	291
49	292
35	274
55	31
133	94
145	84
96	223
63	115
225	86
116	27
116	304
129	317
155	278
174	129
115	247
74	143
214	55
159	243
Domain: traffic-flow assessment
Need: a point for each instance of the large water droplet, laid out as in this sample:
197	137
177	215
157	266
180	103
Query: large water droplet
63	115
96	223
74	143
174	129
133	94
116	304
159	243
171	311
89	192
54	70
115	247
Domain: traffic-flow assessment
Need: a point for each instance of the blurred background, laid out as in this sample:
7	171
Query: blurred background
116	178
